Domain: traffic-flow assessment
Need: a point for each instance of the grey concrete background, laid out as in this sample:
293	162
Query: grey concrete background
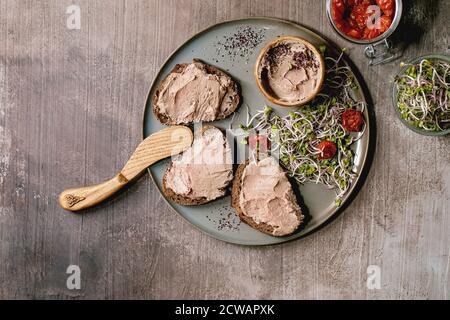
71	107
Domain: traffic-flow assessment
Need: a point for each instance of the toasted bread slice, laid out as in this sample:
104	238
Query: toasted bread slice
264	227
228	101
193	179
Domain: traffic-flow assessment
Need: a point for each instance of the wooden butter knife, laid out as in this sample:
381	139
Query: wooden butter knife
162	144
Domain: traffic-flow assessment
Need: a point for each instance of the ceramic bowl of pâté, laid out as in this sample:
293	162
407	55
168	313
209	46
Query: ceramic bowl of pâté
289	71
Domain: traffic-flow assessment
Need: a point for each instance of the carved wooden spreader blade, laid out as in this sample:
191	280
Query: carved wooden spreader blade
162	144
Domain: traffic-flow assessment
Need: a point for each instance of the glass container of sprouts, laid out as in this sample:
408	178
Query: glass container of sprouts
421	94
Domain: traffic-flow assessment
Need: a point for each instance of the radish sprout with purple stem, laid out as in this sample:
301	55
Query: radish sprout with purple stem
297	135
423	95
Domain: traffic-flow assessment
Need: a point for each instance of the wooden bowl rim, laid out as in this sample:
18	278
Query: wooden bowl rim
261	86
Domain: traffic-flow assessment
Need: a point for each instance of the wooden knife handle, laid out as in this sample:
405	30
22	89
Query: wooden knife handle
162	144
81	198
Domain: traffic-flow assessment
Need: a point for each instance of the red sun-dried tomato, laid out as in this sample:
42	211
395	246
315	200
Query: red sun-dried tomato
356	2
360	15
385	23
337	9
342	25
354	33
371	33
352	120
387	6
327	150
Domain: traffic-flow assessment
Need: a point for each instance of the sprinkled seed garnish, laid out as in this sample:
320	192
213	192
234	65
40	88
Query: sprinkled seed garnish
226	220
306	60
241	44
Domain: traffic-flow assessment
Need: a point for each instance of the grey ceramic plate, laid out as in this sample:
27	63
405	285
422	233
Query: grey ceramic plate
218	219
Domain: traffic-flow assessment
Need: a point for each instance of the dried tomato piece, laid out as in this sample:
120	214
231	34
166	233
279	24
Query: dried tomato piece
356	2
353	23
359	14
385	23
371	33
387	6
352	2
340	24
352	120
327	150
354	33
338	9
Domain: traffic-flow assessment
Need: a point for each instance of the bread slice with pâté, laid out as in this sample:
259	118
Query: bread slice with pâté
195	92
264	199
203	172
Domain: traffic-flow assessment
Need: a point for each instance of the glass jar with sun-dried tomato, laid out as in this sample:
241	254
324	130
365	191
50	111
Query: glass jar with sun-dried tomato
368	22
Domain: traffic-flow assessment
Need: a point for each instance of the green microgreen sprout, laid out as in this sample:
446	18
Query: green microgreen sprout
296	135
423	95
